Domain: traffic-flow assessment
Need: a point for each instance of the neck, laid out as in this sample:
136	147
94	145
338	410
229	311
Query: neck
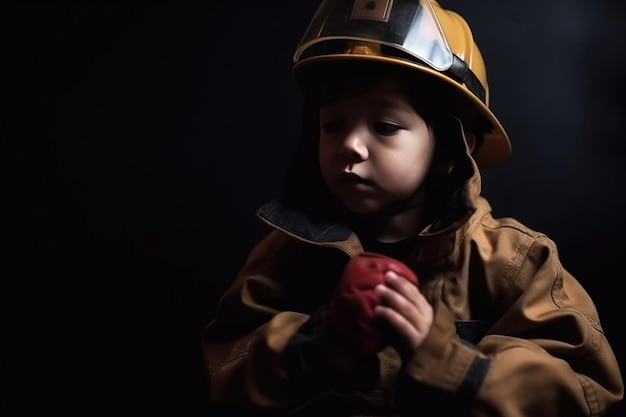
395	223
397	226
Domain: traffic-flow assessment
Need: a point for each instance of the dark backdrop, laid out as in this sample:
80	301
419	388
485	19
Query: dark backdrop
139	138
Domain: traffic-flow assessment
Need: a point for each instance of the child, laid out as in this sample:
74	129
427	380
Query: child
385	286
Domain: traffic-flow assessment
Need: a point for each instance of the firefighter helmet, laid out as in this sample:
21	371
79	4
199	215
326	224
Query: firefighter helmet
418	34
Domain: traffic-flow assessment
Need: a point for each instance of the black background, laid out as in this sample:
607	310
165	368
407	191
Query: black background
139	138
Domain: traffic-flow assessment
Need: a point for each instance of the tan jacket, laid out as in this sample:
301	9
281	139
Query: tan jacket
514	333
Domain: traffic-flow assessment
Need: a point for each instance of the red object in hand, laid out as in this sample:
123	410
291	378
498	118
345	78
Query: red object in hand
351	310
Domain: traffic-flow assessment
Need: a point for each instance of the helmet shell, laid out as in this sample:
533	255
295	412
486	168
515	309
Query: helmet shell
418	34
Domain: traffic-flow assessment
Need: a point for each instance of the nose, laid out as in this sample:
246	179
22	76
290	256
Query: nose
354	146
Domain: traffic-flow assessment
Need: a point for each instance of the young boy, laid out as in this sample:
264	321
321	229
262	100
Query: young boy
385	286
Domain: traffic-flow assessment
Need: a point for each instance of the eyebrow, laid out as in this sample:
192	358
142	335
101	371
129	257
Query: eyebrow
391	104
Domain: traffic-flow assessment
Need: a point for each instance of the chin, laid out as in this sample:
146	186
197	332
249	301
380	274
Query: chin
362	207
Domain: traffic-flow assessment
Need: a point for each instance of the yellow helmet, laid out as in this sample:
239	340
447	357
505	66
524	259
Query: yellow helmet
418	34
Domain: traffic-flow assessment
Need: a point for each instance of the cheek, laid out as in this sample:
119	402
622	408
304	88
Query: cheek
408	168
324	158
405	179
323	150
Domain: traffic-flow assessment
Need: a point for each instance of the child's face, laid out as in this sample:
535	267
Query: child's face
375	150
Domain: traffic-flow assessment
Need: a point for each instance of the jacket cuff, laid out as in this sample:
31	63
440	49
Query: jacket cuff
442	368
316	362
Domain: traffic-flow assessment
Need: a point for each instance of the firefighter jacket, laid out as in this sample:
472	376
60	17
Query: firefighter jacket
514	333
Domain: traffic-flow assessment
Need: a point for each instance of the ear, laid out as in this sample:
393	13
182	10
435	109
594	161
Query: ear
470	139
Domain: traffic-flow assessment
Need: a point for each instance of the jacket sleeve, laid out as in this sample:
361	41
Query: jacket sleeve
546	354
264	359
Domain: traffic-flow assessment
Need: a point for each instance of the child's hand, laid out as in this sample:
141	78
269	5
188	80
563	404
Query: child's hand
406	311
351	310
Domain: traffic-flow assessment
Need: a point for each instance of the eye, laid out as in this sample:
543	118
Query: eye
331	126
386	129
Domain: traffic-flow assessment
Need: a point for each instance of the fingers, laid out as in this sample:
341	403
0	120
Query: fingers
405	309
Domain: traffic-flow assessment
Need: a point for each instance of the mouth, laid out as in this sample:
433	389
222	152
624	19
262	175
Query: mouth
351	179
